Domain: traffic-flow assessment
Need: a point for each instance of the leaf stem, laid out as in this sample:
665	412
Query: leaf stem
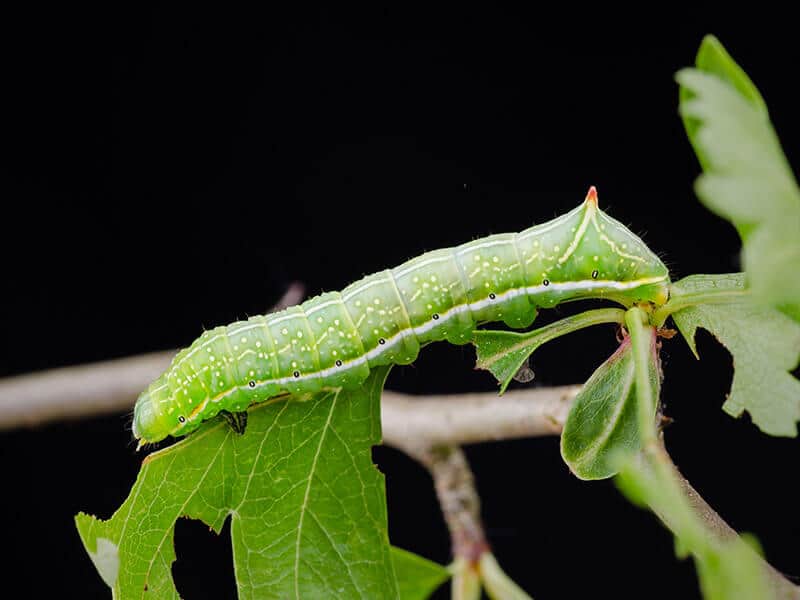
641	344
683	299
497	584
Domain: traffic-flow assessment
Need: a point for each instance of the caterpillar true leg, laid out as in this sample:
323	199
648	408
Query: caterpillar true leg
237	420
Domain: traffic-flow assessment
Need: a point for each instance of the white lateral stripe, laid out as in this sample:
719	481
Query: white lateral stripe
587	284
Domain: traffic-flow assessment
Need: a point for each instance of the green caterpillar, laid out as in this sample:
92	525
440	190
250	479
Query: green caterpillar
334	339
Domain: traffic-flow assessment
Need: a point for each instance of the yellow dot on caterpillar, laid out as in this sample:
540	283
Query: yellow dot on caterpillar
244	340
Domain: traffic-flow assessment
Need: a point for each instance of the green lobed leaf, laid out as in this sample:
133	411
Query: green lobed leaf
503	353
307	505
747	179
765	345
603	424
417	577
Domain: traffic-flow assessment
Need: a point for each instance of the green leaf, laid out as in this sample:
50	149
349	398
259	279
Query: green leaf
417	577
603	424
747	179
307	506
728	570
765	345
503	353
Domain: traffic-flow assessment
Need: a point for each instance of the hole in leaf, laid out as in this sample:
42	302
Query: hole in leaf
201	551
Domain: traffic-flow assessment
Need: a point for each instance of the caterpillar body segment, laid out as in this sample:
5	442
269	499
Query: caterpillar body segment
334	339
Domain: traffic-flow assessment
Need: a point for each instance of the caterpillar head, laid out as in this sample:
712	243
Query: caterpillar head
149	424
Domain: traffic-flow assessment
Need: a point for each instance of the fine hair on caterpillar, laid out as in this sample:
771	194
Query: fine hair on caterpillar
334	339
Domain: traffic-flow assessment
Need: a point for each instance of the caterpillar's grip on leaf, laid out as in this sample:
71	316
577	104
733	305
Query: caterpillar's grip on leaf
334	339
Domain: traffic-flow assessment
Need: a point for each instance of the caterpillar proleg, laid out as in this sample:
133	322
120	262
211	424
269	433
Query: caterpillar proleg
334	339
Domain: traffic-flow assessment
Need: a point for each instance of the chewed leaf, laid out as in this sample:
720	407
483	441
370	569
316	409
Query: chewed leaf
747	179
307	505
603	426
106	560
505	353
765	345
417	577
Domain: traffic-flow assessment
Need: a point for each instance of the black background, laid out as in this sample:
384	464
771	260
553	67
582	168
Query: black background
167	169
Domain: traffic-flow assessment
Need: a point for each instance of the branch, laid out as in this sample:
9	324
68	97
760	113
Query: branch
94	389
112	386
